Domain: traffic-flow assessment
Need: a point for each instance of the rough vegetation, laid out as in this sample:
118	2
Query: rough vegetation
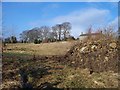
48	69
97	55
89	64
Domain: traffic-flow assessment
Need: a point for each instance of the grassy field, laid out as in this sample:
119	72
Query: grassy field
45	67
56	48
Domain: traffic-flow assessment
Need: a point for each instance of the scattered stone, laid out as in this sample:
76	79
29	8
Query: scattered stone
113	45
94	47
106	59
73	62
82	50
97	56
99	83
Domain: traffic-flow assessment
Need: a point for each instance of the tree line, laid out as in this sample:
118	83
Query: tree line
58	32
11	39
44	33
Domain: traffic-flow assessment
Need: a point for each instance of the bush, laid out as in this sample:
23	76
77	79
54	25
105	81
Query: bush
39	41
36	41
69	38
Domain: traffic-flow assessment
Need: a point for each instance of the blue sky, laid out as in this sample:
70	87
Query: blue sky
20	16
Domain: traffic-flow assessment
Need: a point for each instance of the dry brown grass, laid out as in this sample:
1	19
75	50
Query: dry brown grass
56	48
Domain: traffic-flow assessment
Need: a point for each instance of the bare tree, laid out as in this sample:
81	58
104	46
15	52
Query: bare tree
24	36
55	32
66	29
59	28
40	34
29	35
45	31
89	31
32	35
109	32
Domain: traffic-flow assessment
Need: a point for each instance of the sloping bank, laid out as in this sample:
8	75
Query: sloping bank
96	55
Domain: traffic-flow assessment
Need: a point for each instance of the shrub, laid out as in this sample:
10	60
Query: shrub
36	41
39	41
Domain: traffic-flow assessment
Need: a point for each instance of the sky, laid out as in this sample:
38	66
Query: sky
20	16
60	0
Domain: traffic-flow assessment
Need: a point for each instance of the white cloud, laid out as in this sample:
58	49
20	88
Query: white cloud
114	23
80	19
